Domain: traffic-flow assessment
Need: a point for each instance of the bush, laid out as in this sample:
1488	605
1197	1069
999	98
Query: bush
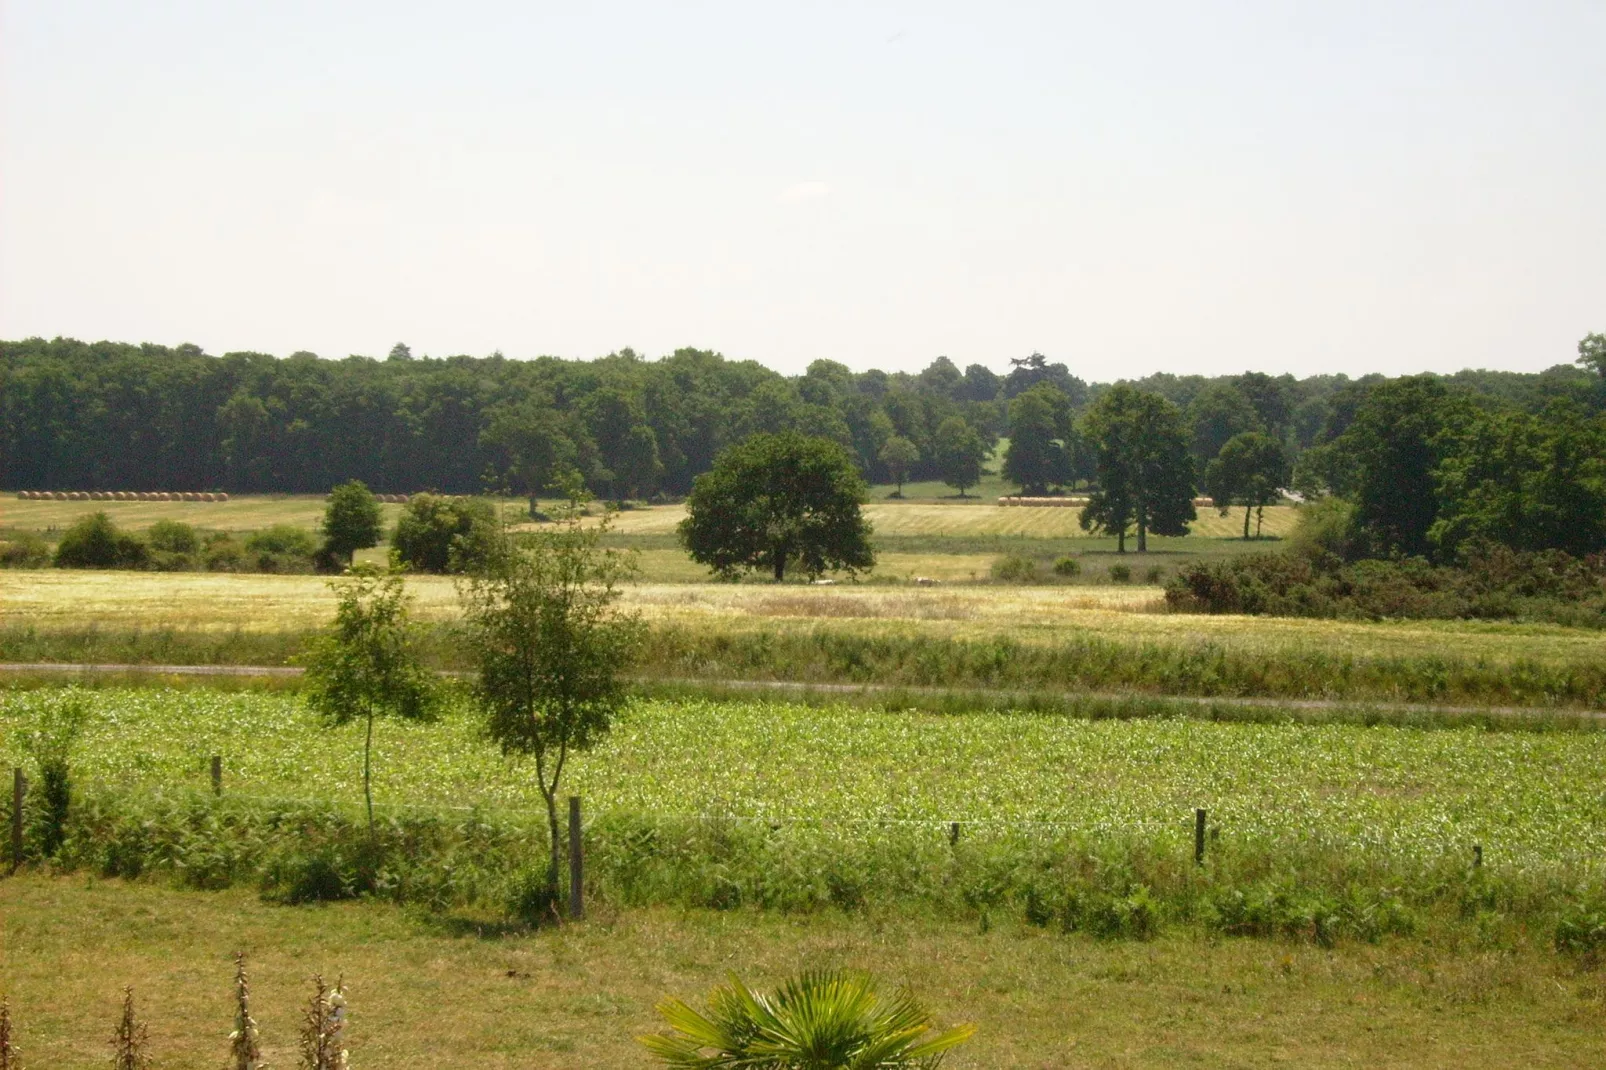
1495	584
224	553
1067	567
281	548
95	542
1153	574
1581	930
1014	568
438	534
532	898
173	536
1120	573
24	549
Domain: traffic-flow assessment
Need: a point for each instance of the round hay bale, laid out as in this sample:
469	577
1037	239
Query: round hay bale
96	496
58	496
189	496
222	496
209	497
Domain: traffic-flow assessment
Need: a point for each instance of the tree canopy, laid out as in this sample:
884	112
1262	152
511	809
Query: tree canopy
1042	440
1145	473
773	500
1251	470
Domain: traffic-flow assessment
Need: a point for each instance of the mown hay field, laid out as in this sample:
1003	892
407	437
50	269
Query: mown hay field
56	600
254	512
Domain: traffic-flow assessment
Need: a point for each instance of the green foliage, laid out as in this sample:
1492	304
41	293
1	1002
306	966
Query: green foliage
1120	574
1393	448
351	521
1145	475
281	548
1216	415
774	499
367	664
1042	440
538	443
95	542
24	549
1592	353
1251	470
440	534
1017	568
1528	482
898	455
1067	567
958	452
1495	584
824	1019
49	741
550	645
173	536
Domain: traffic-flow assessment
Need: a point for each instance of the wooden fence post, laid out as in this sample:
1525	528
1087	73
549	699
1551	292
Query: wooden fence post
217	774
1198	836
1477	856
19	788
953	833
577	908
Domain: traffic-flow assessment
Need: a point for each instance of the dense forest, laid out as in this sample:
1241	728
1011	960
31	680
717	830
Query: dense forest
80	416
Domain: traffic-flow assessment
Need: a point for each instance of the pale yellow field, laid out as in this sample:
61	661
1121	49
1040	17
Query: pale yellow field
254	512
248	513
931	519
60	599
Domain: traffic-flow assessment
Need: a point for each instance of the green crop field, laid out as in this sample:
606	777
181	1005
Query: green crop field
1529	798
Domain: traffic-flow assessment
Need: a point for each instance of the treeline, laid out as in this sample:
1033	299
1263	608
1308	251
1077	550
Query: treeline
114	416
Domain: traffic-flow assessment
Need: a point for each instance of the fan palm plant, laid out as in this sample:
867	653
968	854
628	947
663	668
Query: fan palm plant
820	1020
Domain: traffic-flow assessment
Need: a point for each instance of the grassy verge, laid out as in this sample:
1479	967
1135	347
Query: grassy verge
448	992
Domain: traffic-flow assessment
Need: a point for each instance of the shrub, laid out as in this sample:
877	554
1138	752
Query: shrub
1067	567
173	536
24	549
1495	584
1120	573
1014	568
532	897
829	1019
1153	574
224	553
281	548
438	534
50	742
1581	930
94	541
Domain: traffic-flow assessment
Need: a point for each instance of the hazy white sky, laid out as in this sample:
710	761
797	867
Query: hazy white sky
1165	186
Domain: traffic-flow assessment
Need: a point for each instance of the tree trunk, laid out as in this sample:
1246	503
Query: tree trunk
780	571
368	772
555	863
1143	537
1120	541
1247	510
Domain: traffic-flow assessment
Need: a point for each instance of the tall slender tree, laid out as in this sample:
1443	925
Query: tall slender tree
1145	473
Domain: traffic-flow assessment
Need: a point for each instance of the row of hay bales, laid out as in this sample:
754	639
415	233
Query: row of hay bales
121	496
1016	500
392	499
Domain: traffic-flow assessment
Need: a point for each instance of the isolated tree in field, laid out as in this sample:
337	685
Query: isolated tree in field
550	645
367	665
1251	470
351	522
899	455
959	452
1145	473
774	499
1041	440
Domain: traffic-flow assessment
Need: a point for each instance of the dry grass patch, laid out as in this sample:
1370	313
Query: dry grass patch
444	993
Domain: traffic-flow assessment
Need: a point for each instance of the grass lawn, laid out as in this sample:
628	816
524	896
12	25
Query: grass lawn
437	993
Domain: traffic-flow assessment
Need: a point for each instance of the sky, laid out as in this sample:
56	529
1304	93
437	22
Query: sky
1128	188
